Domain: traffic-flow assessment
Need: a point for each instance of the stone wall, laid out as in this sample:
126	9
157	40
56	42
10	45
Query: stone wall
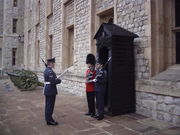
134	16
57	33
75	82
1	16
1	41
11	40
159	107
102	5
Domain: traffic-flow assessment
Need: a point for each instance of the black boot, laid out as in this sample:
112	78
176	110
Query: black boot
100	117
52	123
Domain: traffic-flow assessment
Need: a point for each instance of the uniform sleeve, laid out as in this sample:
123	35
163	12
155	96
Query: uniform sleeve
53	79
102	79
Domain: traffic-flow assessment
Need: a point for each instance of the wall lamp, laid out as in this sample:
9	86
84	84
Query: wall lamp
21	38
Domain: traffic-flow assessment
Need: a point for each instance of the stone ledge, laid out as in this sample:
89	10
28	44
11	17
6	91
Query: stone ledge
75	78
168	88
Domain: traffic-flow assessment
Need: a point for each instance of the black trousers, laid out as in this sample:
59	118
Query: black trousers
91	102
100	103
49	107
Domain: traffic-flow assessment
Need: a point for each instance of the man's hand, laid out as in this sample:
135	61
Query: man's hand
94	80
90	81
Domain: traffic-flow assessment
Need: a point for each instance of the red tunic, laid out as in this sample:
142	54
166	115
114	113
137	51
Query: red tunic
90	86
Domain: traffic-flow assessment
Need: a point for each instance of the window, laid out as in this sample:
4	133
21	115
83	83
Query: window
68	31
38	11
70	50
15	3
14	29
49	47
37	47
37	53
14	50
105	16
177	30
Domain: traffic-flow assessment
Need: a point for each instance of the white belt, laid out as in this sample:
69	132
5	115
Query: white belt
47	83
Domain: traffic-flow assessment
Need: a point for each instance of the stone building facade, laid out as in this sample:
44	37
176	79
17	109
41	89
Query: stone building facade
11	34
1	30
65	29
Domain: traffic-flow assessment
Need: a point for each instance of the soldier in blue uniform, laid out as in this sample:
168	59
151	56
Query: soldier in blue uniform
100	88
50	91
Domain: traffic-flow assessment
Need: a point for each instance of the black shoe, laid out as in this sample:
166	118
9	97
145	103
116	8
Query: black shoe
52	123
87	114
95	116
100	118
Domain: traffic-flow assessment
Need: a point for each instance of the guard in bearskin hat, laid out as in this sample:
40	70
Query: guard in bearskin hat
90	75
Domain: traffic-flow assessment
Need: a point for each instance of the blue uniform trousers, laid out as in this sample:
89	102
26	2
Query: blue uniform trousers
49	108
100	103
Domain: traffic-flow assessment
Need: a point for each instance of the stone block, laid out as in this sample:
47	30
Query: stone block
160	116
144	95
152	97
177	111
161	107
142	68
176	120
168	100
138	102
146	75
168	117
177	101
149	104
144	111
170	108
154	114
160	99
139	75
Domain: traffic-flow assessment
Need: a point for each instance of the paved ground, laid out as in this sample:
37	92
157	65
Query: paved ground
22	113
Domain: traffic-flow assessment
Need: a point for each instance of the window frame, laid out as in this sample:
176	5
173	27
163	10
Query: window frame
15	3
14	25
14	53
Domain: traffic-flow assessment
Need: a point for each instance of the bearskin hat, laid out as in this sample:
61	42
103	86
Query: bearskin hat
90	59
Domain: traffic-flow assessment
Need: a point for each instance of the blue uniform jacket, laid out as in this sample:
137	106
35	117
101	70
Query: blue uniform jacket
100	84
50	76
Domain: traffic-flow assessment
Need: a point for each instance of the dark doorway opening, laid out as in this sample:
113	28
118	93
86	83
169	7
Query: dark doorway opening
104	55
178	48
177	25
